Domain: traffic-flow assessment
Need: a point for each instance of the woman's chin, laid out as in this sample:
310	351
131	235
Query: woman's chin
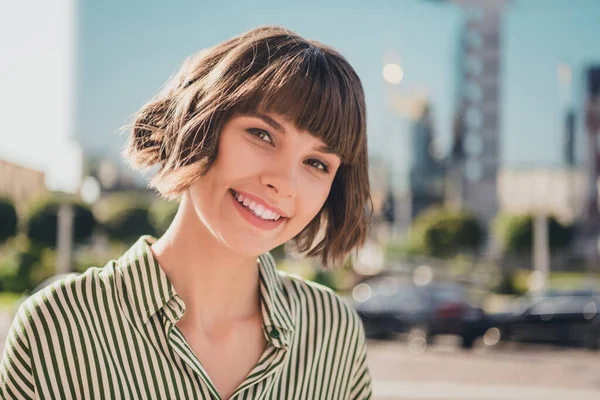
249	246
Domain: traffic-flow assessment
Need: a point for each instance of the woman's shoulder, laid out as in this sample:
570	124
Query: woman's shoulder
67	292
309	294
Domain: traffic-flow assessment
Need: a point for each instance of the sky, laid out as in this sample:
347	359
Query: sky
38	68
89	80
127	52
540	34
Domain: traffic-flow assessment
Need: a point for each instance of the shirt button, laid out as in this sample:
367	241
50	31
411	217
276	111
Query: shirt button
275	334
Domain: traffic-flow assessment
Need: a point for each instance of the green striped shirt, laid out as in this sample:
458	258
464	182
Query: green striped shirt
111	333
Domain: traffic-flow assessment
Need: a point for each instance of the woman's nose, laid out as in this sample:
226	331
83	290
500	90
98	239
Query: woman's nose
282	178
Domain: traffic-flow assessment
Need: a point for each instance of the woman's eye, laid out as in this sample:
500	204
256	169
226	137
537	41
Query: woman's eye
263	135
320	165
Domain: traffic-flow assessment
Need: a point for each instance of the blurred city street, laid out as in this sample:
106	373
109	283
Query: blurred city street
444	372
483	126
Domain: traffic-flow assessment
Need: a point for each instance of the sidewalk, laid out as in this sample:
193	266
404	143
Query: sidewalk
388	390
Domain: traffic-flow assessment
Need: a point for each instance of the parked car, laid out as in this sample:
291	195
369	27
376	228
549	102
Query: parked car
559	317
389	305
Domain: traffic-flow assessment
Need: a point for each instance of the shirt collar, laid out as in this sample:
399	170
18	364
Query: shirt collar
275	303
147	286
148	290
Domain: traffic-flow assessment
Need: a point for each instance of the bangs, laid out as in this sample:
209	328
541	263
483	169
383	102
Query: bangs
265	70
314	92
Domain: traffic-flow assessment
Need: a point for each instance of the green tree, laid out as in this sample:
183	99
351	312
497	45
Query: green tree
26	266
125	216
129	223
162	213
515	233
278	252
8	219
43	221
444	233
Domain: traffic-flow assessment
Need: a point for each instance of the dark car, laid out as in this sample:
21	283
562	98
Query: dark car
390	305
558	317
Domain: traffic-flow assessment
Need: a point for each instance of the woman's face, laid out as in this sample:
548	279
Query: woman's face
268	182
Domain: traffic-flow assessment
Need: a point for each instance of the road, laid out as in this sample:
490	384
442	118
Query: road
444	372
513	371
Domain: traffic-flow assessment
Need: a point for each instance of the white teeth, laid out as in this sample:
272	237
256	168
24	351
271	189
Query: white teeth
270	215
258	209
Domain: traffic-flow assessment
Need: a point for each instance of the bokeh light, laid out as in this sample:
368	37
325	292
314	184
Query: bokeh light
361	292
393	73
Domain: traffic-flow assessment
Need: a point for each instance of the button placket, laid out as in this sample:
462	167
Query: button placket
275	361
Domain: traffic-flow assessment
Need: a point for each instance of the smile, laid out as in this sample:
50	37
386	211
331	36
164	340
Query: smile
258	209
257	214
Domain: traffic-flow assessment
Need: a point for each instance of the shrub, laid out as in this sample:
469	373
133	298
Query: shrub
162	213
43	222
515	233
507	284
278	252
26	267
8	220
129	224
444	233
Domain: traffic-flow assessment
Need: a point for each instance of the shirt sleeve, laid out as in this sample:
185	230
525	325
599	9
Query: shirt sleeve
360	381
16	372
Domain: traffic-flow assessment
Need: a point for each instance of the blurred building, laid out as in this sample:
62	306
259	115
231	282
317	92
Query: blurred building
569	157
415	181
391	207
592	129
426	176
111	177
524	190
379	182
21	184
475	154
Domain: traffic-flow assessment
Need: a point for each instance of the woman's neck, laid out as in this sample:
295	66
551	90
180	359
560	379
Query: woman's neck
216	284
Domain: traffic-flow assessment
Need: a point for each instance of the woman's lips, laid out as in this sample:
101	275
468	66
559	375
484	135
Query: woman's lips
261	201
249	216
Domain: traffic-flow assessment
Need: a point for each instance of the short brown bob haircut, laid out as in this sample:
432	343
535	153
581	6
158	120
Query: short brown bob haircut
267	70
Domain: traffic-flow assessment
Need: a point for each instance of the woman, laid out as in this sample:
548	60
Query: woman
263	140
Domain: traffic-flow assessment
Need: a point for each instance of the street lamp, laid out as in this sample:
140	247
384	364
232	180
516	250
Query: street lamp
64	175
540	190
90	190
393	73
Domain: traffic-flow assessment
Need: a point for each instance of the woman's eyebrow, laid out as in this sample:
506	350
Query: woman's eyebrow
327	150
278	127
269	121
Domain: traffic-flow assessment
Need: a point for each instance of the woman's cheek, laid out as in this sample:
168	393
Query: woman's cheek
244	162
315	201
